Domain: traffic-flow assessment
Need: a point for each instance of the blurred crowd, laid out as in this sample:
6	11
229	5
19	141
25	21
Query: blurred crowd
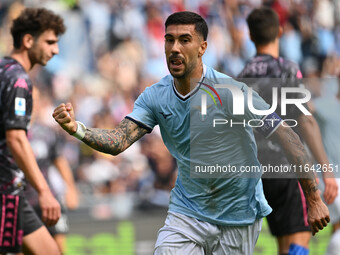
112	50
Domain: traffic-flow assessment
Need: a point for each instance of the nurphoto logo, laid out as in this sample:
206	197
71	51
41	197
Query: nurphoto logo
238	96
238	99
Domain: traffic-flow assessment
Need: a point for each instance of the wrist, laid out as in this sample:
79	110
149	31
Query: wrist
80	132
43	190
313	198
328	174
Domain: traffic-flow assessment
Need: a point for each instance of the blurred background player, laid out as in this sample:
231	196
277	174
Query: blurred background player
155	189
288	221
326	110
35	38
47	147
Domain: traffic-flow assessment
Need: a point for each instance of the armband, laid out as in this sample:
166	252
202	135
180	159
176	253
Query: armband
81	129
270	123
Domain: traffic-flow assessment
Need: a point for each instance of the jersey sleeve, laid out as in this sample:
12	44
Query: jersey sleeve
293	78
142	113
17	104
257	102
238	100
267	124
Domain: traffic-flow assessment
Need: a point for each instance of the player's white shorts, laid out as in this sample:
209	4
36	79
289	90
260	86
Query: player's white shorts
184	235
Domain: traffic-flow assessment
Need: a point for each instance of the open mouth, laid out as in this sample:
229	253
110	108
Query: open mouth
176	62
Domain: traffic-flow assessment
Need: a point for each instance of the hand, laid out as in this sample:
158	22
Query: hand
331	190
50	208
318	216
64	115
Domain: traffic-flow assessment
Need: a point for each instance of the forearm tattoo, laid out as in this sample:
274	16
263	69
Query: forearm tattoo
114	141
297	156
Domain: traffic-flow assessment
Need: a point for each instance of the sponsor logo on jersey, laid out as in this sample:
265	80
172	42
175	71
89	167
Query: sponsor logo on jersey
20	106
21	83
165	115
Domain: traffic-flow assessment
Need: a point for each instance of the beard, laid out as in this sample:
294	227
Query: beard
37	57
179	76
185	73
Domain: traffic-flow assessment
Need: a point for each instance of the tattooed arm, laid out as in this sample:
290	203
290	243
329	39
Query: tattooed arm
112	141
116	140
318	215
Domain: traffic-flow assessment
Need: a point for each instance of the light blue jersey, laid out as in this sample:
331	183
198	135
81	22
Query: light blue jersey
231	200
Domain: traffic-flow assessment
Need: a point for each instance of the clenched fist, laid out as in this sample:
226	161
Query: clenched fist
64	115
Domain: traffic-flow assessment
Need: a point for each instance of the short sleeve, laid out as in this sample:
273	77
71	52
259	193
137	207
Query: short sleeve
257	102
142	113
17	104
240	97
293	79
255	112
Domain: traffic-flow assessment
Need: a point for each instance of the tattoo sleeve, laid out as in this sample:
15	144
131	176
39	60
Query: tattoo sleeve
297	156
114	141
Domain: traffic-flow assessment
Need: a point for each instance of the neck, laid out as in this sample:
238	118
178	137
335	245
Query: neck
271	48
22	57
183	84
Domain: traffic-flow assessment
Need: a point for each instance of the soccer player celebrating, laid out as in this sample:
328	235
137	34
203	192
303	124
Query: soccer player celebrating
288	221
206	215
35	36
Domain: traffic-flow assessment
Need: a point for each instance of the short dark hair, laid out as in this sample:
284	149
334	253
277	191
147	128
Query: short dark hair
35	21
263	25
189	18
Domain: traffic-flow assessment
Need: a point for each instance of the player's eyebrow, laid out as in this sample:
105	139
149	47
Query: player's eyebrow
183	35
51	41
186	35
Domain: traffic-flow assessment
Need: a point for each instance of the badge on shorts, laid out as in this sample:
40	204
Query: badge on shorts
20	106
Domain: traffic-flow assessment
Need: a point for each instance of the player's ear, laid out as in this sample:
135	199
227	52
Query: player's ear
202	48
28	41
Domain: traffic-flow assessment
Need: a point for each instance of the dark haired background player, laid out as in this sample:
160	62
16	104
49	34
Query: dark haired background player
35	38
288	221
206	215
47	145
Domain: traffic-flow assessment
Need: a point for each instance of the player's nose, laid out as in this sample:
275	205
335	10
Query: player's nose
175	47
55	49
